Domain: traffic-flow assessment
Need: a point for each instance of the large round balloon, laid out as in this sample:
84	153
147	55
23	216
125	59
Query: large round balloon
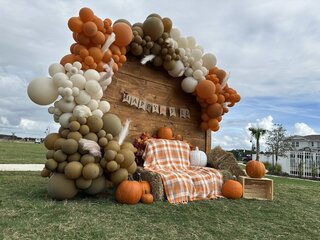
153	27
42	91
123	34
60	187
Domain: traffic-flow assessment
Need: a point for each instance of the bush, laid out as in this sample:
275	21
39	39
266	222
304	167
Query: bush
275	170
268	166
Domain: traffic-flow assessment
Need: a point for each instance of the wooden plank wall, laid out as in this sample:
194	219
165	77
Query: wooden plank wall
155	85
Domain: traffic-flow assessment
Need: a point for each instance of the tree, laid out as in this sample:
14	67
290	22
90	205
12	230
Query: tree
257	133
277	142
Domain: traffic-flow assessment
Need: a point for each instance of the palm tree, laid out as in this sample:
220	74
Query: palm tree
257	133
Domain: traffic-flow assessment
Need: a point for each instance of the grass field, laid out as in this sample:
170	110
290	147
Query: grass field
28	213
21	152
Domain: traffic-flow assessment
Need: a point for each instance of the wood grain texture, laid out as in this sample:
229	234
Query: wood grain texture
155	85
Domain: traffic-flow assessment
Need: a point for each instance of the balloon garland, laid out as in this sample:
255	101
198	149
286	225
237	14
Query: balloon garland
90	143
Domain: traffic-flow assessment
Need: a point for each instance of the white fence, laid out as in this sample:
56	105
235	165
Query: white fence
304	164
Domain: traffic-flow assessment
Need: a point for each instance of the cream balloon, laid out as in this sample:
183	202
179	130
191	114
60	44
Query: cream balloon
78	81
61	80
91	74
64	119
104	106
182	42
81	111
42	91
55	68
189	84
92	87
196	54
175	33
83	98
98	95
209	60
93	104
97	113
191	42
178	69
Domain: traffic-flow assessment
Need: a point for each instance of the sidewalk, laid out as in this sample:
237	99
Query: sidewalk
21	167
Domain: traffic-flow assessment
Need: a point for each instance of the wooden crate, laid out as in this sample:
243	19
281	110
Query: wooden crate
257	188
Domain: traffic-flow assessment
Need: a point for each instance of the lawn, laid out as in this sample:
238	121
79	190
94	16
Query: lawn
28	213
21	152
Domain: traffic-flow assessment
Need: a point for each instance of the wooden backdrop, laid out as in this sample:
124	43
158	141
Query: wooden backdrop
157	86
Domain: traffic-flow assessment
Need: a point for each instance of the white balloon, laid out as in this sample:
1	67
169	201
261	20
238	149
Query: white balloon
91	74
67	92
77	64
175	33
64	119
198	74
196	65
74	70
82	111
209	60
182	42
97	113
191	42
75	91
182	52
42	91
196	54
69	98
56	68
60	80
188	72
83	98
93	104
178	69
92	87
104	106
68	67
200	48
204	70
78	81
189	84
98	95
66	106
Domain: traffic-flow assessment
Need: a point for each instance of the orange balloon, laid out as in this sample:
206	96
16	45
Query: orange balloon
216	129
78	58
107	22
115	67
86	14
204	125
100	67
75	24
123	50
123	34
214	110
115	49
115	58
84	53
70	58
204	117
90	29
107	56
96	53
122	59
83	39
205	89
73	48
99	38
99	23
213	123
89	60
221	98
213	99
221	74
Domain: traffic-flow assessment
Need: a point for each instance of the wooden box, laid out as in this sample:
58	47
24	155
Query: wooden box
257	188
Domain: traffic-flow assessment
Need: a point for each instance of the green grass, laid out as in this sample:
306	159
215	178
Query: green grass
21	152
28	213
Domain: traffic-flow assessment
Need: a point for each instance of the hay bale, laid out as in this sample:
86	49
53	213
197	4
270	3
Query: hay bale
222	160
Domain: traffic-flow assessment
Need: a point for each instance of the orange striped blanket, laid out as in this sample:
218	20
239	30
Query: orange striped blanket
182	182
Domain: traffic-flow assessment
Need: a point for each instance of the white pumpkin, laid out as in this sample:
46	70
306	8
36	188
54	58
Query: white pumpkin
198	158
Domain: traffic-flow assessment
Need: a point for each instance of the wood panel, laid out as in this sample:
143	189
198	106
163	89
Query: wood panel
155	85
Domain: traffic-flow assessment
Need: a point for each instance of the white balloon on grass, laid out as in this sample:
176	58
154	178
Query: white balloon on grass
196	65
209	60
91	74
56	68
178	69
82	111
189	84
104	106
42	91
64	119
83	98
78	81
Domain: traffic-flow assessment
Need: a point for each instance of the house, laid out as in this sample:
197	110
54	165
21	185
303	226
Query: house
309	143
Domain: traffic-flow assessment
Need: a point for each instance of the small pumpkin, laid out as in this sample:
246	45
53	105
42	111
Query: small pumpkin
145	186
255	169
128	192
198	158
165	133
147	198
232	189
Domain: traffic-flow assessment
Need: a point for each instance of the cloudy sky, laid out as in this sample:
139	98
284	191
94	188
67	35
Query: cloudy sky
271	48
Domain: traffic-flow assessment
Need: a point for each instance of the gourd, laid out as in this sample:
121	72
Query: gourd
147	198
232	189
128	192
145	186
165	133
255	169
198	158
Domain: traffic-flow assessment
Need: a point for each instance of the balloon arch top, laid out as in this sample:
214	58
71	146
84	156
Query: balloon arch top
76	85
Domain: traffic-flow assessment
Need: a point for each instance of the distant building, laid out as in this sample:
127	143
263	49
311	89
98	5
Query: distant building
303	160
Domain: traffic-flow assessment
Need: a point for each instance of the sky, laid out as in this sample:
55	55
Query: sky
271	49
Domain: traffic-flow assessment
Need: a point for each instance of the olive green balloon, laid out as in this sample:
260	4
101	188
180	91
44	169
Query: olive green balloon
94	123
60	156
119	176
157	61
70	146
156	49
112	166
101	133
113	145
73	170
137	50
119	158
58	143
61	167
128	158
74	126
132	168
91	136
87	158
138	24
50	140
82	120
75	157
122	20
51	164
64	133
60	187
128	145
109	155
138	29
45	172
83	183
103	163
49	154
111	124
103	141
109	136
97	186
153	27
75	135
169	65
90	171
167	24
154	15
84	130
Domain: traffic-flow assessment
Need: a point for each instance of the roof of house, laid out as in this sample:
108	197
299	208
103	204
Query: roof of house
307	138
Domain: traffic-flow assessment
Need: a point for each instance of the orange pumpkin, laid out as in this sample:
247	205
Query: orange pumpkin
128	192
165	133
147	198
232	189
145	186
255	169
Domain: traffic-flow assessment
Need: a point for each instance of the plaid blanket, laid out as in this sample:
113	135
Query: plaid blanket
182	182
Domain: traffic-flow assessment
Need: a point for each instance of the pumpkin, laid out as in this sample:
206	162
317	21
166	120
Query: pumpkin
255	169
165	133
232	189
128	192
147	198
145	186
198	158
